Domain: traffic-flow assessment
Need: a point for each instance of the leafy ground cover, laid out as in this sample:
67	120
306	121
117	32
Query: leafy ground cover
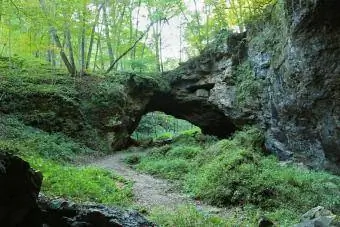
236	173
55	155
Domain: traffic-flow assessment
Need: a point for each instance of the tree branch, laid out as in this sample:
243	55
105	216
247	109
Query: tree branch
130	48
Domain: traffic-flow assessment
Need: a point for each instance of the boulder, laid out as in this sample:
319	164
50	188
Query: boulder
20	186
318	217
63	213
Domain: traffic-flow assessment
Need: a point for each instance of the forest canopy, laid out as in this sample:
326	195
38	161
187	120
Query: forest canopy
86	36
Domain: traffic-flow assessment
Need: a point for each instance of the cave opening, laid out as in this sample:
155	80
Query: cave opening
160	126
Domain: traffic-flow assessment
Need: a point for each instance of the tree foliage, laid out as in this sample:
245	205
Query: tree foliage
85	36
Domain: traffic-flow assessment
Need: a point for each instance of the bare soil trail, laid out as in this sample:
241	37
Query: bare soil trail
149	191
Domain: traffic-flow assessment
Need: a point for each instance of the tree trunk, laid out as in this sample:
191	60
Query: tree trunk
70	68
93	32
107	34
82	46
70	48
137	26
160	48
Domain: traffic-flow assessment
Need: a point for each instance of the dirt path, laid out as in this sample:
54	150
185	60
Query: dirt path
149	191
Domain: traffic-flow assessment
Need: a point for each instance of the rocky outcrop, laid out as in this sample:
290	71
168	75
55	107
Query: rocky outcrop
20	186
282	75
63	213
297	53
203	90
100	112
318	217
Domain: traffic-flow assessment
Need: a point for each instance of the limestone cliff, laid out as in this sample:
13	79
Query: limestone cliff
301	104
283	74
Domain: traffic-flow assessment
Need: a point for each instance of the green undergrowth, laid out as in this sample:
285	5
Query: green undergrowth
192	216
186	216
26	76
82	184
248	87
28	141
56	156
235	172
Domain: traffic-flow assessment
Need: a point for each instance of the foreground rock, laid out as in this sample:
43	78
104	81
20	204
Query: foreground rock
20	186
62	213
318	217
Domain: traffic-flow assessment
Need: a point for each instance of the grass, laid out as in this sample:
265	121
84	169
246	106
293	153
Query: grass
191	216
185	216
82	184
28	141
236	173
54	155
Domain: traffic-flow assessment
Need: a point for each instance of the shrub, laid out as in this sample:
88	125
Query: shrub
186	152
235	172
173	169
133	159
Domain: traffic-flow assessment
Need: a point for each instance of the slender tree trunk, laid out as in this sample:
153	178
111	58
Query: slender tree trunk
160	48
137	27
198	21
119	26
143	49
101	54
107	33
96	54
70	68
156	42
180	40
51	53
82	45
93	32
70	48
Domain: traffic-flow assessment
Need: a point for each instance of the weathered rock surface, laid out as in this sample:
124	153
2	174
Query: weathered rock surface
298	54
318	217
203	91
19	189
62	213
294	57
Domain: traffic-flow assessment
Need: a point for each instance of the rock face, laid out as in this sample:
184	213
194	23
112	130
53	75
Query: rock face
101	113
292	90
202	90
298	54
20	186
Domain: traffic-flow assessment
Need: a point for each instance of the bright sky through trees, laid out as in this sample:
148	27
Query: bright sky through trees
109	35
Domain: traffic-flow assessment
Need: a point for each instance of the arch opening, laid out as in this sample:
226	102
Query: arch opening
157	125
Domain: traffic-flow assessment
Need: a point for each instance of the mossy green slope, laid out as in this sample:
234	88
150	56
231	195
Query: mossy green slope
236	173
55	155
